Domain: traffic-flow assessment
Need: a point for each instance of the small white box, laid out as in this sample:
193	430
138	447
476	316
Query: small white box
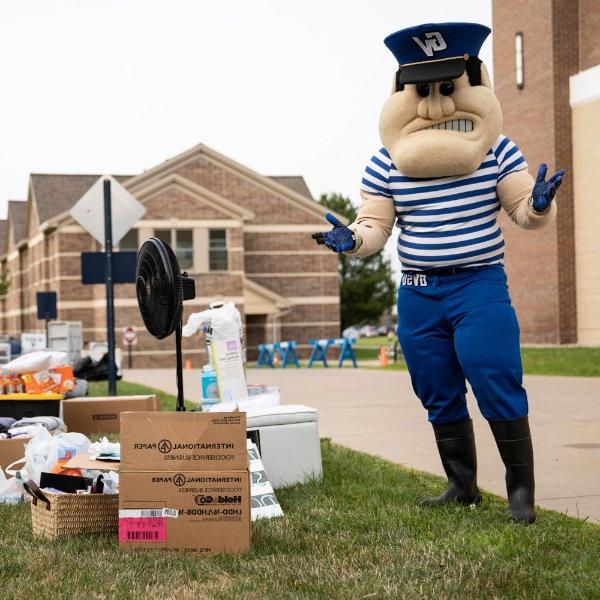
287	437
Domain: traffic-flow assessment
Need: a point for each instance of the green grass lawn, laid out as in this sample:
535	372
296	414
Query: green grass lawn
357	534
582	362
126	388
579	362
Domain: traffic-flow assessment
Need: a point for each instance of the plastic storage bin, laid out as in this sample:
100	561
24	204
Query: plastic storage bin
287	437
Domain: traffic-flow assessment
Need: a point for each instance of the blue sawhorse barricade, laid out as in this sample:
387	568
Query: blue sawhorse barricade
319	351
266	354
286	351
320	347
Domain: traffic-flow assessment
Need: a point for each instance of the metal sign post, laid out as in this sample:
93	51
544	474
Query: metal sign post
46	309
116	269
129	340
110	301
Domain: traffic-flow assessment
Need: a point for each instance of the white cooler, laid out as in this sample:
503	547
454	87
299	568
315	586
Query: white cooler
287	437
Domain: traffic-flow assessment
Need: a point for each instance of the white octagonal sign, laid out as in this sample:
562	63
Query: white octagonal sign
89	210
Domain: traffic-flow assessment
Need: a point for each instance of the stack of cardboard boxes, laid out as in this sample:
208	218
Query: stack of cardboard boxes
184	482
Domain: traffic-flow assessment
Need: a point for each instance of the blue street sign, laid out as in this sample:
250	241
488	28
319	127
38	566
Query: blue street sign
93	267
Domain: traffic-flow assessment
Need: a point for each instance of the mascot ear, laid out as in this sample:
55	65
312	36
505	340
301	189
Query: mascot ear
395	86
485	77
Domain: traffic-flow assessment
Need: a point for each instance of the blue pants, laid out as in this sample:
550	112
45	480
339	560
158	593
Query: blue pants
456	326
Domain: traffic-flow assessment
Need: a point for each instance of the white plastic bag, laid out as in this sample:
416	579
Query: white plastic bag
44	450
32	362
226	351
11	490
105	449
224	321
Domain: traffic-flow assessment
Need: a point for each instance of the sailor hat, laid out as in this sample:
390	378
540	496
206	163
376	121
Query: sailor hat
435	51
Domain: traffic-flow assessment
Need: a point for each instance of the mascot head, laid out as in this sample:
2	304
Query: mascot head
442	116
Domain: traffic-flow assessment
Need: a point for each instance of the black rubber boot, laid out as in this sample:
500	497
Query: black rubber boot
456	445
513	439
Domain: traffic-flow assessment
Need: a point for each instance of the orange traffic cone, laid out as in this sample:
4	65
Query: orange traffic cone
188	364
383	357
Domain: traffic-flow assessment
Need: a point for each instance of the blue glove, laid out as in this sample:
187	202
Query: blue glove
339	239
544	191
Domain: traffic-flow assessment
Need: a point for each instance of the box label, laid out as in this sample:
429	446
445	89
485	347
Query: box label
149	526
104	417
229	368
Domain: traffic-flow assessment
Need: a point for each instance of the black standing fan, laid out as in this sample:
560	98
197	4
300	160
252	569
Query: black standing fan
161	289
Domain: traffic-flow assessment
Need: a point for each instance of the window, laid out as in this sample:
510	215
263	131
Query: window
184	248
164	235
519	60
129	242
182	242
217	250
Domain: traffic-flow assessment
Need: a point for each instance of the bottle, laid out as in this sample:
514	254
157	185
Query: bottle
210	387
19	385
2	386
9	383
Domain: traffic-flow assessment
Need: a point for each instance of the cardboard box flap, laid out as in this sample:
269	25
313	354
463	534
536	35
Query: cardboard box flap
176	441
83	461
12	449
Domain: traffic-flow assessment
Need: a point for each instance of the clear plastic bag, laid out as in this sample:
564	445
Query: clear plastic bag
11	490
44	450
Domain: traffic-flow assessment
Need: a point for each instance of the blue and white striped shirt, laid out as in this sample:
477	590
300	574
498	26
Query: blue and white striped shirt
446	221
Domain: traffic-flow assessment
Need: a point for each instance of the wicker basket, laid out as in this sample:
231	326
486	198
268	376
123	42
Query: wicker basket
62	515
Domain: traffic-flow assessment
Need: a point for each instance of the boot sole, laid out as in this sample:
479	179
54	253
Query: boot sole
522	519
441	502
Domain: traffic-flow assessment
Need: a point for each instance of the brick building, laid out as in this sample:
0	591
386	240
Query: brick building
552	110
244	237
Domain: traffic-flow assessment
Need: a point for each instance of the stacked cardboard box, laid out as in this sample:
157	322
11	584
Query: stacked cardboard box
184	482
100	415
12	450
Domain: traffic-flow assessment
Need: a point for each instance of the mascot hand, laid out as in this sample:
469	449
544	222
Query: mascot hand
339	239
544	191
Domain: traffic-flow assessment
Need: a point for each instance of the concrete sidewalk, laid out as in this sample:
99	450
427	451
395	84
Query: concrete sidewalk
377	412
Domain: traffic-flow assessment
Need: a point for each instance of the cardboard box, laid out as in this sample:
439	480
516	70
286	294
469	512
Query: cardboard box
207	512
101	415
183	441
11	450
184	482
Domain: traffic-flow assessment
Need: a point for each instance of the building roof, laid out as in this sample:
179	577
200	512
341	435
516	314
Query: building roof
293	182
17	212
56	194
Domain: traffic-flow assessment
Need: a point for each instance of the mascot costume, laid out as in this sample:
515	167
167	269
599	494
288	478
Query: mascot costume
442	175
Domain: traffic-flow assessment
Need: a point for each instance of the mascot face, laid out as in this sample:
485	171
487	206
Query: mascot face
442	117
437	135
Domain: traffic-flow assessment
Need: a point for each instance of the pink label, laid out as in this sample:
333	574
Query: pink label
142	529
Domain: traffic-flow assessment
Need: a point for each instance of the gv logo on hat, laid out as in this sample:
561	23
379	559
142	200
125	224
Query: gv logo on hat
434	42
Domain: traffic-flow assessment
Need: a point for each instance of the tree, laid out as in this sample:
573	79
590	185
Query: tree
4	283
367	288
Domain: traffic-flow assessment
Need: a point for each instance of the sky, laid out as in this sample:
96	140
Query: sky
118	86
